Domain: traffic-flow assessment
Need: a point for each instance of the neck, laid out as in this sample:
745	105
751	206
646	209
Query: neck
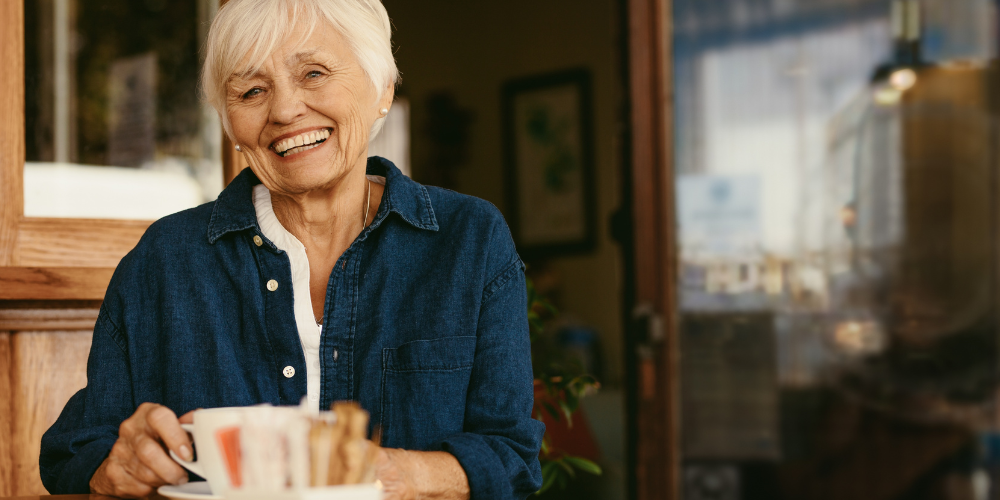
327	217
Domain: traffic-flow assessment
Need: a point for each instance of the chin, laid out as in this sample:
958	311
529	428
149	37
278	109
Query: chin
314	177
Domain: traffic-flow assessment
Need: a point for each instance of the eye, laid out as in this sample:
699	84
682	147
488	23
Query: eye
313	74
252	93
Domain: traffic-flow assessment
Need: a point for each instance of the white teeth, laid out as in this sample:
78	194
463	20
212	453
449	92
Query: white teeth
305	141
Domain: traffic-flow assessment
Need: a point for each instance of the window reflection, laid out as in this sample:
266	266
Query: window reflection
114	125
835	171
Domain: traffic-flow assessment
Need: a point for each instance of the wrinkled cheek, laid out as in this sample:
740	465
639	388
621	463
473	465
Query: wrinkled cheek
254	160
264	166
354	136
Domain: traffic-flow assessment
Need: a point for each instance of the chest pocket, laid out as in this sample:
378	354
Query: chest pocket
424	385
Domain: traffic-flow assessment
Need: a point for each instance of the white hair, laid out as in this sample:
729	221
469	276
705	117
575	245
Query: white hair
247	32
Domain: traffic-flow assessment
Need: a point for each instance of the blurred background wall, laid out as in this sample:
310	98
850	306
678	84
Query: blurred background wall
466	52
455	58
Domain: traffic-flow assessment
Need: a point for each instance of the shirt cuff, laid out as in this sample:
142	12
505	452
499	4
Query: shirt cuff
484	469
76	474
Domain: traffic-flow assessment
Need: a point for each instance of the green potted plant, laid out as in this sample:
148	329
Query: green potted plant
559	385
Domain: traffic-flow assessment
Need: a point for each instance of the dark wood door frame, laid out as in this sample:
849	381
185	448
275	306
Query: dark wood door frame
650	299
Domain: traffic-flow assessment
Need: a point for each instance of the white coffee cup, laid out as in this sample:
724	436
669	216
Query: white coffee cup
211	463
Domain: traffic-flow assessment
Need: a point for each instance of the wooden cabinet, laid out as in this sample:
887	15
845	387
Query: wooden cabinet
44	368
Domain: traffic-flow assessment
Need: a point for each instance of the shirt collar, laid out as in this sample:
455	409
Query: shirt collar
403	196
234	209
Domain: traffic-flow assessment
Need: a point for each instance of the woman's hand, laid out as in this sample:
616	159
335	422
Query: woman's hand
138	462
421	475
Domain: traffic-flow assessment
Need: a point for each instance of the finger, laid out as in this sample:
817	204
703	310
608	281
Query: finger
133	425
124	484
135	490
144	475
188	418
165	426
152	455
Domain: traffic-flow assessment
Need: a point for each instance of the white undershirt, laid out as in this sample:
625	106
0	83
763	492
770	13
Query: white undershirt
309	331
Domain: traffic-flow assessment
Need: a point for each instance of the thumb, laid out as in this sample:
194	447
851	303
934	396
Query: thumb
188	418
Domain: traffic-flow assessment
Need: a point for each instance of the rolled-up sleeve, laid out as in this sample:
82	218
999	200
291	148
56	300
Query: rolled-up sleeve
76	445
500	445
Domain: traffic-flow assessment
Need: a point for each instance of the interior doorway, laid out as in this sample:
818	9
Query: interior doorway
523	104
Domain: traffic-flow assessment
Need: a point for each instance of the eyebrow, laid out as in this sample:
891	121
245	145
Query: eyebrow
298	57
244	76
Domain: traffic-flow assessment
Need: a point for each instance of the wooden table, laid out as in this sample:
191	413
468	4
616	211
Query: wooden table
154	496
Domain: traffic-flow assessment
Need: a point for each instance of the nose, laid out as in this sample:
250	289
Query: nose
286	105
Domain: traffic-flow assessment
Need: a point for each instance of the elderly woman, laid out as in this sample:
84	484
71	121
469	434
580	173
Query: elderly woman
319	273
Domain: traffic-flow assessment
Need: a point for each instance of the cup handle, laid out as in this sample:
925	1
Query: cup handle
191	465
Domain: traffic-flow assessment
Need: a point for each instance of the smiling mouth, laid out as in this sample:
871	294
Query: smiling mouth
300	143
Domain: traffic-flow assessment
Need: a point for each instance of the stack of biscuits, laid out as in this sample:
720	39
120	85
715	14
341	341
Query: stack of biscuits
338	451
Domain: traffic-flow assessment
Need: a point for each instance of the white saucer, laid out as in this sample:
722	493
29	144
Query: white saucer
197	490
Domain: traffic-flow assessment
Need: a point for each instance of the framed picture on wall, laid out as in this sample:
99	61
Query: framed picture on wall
549	156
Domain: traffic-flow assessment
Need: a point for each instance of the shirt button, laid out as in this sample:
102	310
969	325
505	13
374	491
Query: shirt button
272	285
288	372
313	398
257	241
335	354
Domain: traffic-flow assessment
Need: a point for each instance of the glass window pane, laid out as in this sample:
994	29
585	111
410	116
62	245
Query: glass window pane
114	124
836	170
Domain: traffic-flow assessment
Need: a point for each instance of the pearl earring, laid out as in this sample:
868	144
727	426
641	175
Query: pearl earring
238	148
384	111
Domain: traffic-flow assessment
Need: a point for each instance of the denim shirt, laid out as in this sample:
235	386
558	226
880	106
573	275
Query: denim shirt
425	326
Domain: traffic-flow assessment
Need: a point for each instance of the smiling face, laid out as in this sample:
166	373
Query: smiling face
304	118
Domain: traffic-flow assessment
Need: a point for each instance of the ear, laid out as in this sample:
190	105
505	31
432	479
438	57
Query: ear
388	96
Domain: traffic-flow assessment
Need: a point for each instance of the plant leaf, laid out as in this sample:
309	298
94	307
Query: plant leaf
572	401
567	412
584	465
566	467
549	475
562	480
552	410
